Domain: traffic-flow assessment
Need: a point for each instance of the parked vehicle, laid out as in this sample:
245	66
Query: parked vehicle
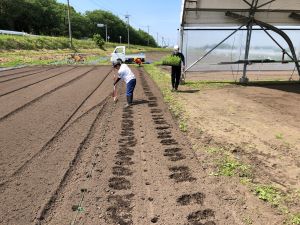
120	53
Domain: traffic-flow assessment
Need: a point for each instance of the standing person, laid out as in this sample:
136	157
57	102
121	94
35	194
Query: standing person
125	73
176	70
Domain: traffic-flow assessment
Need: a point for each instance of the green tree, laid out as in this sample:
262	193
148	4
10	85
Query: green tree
48	17
99	41
15	15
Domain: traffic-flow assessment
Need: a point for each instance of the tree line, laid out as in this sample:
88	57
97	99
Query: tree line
48	17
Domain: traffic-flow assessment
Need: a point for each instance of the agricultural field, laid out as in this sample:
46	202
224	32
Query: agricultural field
212	153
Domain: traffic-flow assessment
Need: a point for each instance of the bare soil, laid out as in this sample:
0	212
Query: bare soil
258	123
70	155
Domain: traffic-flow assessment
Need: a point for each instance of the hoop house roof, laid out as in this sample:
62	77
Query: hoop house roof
210	13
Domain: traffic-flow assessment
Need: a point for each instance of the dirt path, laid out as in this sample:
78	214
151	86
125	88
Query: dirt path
69	155
258	124
263	121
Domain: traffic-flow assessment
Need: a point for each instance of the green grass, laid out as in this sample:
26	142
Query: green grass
207	84
227	165
295	220
11	42
269	194
214	150
43	50
230	167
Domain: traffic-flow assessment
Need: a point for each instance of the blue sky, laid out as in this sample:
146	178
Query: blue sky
163	16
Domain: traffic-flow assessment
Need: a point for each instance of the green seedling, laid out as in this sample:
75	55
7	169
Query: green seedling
248	221
200	131
228	168
77	208
183	126
80	209
245	181
213	150
279	136
171	60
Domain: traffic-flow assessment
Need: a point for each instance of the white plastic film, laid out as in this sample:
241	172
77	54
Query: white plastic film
212	12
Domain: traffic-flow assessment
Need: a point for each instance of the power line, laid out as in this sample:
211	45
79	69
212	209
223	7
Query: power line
105	7
148	34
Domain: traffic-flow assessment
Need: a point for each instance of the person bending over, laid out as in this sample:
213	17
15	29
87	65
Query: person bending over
125	73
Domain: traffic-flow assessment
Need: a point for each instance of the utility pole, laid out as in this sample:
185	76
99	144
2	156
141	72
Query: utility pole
127	17
157	38
106	32
103	25
162	41
148	34
70	29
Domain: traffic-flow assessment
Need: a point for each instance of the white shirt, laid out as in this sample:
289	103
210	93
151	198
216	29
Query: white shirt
125	73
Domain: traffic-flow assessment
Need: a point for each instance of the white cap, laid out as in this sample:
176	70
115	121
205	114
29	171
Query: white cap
176	47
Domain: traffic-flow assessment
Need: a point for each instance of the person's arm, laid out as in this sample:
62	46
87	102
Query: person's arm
117	81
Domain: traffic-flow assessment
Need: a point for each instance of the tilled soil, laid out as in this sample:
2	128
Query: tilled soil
69	155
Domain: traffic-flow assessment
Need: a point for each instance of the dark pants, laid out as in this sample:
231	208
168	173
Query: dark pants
175	76
130	87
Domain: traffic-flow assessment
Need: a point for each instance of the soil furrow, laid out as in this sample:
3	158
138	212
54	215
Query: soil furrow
47	207
84	184
18	72
37	154
27	75
19	109
26	86
44	174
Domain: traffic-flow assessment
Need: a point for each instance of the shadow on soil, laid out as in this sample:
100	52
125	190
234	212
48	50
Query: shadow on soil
188	91
293	87
140	102
287	86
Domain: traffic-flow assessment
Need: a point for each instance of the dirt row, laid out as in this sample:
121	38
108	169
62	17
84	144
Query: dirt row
70	155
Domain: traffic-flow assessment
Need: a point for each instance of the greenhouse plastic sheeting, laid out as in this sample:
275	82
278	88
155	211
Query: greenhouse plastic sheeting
199	13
